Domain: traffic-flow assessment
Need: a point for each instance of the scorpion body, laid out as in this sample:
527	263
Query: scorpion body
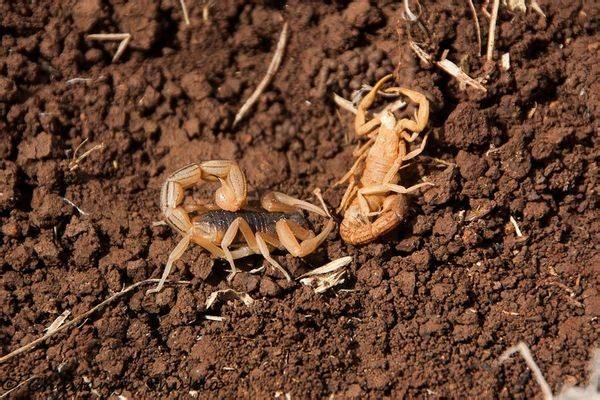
378	192
218	221
229	223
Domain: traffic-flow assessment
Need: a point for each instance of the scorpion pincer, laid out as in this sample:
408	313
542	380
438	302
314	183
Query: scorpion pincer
228	229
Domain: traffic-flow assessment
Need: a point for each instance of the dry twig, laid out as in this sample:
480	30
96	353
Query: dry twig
513	221
447	66
69	202
459	74
124	38
477	28
426	58
186	16
80	318
505	61
536	7
409	14
273	66
492	31
589	392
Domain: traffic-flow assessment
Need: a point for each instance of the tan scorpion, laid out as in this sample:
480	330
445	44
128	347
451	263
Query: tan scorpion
378	193
230	230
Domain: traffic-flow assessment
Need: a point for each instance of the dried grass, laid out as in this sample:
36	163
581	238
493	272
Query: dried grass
124	38
589	392
186	16
459	74
75	161
513	221
69	202
477	27
273	67
80	318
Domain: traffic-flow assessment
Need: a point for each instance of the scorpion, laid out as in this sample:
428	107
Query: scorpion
228	222
378	193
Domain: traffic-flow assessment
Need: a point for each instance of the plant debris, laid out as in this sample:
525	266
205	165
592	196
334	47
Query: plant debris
74	163
492	31
124	38
61	326
228	294
327	276
589	392
273	66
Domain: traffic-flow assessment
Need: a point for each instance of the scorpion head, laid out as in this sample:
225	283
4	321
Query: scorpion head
388	121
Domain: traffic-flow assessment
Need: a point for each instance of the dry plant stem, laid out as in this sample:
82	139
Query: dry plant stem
205	9
536	7
58	322
409	14
125	38
75	161
3	395
505	61
477	28
426	58
227	294
80	318
517	229
69	202
459	74
492	30
186	16
522	348
273	67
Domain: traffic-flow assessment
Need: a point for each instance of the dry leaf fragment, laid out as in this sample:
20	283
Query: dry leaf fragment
228	294
327	276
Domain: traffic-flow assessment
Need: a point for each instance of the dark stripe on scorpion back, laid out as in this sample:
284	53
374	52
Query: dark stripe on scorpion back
259	221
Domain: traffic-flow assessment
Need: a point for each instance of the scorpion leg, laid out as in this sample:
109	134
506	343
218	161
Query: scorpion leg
354	167
264	250
361	127
178	252
348	195
390	187
174	256
288	233
239	224
403	156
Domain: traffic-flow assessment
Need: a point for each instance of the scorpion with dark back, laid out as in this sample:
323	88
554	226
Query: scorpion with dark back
230	230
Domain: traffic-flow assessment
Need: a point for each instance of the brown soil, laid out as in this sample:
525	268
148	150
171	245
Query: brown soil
429	308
